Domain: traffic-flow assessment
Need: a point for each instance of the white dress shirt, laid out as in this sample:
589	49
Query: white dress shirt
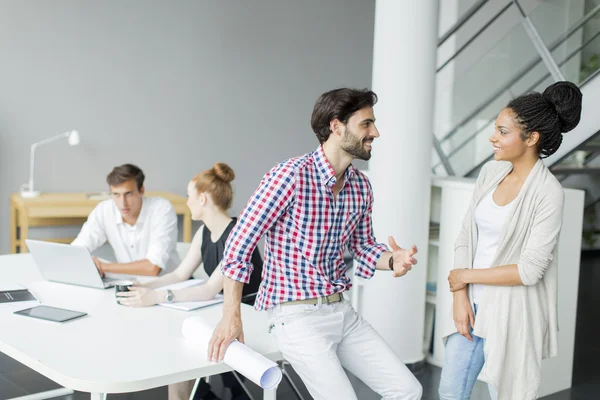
153	237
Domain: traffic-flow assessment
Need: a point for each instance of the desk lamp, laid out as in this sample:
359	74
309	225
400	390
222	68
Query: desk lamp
27	189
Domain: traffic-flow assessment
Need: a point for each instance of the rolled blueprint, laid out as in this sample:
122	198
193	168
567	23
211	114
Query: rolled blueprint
254	366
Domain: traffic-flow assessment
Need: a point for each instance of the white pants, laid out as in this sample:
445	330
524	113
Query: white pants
318	340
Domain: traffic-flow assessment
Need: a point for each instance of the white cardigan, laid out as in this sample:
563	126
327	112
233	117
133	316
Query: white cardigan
519	323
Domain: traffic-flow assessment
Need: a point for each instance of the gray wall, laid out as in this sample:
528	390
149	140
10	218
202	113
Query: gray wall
173	86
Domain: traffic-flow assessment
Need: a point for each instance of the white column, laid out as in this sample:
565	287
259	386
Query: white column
400	168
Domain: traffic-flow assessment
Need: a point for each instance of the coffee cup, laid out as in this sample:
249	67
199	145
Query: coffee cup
122	286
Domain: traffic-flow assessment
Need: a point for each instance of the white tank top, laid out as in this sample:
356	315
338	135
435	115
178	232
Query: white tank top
490	219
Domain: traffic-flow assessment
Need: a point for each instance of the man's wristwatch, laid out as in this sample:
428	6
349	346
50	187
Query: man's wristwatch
169	296
391	262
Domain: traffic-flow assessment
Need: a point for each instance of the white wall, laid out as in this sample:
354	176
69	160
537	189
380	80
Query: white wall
170	86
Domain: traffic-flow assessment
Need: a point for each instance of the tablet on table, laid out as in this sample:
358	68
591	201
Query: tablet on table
51	313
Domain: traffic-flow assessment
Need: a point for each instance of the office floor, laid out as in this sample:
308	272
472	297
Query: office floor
17	380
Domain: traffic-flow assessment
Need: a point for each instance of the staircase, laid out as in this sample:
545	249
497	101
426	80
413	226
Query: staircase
492	51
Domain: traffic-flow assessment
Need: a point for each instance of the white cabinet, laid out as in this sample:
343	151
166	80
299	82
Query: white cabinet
450	199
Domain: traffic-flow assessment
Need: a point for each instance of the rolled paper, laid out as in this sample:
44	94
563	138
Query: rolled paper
254	366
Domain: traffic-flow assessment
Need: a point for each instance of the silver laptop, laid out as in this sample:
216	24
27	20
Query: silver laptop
67	264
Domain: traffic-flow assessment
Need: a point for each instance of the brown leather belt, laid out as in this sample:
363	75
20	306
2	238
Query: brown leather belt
332	298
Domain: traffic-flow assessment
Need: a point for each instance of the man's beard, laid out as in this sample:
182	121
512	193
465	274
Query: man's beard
355	146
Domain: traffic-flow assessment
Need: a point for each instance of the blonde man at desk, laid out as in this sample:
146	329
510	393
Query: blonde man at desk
142	231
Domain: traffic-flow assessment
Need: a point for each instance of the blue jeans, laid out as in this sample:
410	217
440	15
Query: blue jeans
463	361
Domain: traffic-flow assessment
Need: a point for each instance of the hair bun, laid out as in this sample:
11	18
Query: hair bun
224	172
566	99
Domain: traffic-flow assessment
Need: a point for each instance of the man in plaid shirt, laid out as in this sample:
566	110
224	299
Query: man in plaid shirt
311	208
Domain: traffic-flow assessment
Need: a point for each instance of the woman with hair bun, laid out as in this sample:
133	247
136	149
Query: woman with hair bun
504	281
210	195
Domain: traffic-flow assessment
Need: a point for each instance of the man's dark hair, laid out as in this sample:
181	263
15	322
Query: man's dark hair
341	104
124	173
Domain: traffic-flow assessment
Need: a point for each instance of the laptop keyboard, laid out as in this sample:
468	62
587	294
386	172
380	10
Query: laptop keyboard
109	282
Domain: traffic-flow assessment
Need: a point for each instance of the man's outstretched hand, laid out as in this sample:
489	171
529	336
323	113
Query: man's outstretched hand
403	258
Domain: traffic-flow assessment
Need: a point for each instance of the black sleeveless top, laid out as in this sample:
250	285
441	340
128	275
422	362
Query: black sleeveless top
212	254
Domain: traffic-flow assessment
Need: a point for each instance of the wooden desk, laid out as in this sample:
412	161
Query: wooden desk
62	209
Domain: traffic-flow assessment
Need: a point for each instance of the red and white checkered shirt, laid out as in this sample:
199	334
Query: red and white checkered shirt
307	230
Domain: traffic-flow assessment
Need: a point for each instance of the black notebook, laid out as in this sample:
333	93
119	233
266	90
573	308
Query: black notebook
15	295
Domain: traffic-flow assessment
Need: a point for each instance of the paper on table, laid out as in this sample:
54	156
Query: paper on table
193	305
254	366
182	285
189	305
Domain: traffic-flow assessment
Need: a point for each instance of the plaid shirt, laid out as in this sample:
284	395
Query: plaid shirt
307	230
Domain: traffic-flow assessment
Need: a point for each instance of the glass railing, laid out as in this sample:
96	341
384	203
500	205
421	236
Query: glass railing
583	59
577	50
454	16
476	84
477	149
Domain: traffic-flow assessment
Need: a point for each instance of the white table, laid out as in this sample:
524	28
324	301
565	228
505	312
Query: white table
114	349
